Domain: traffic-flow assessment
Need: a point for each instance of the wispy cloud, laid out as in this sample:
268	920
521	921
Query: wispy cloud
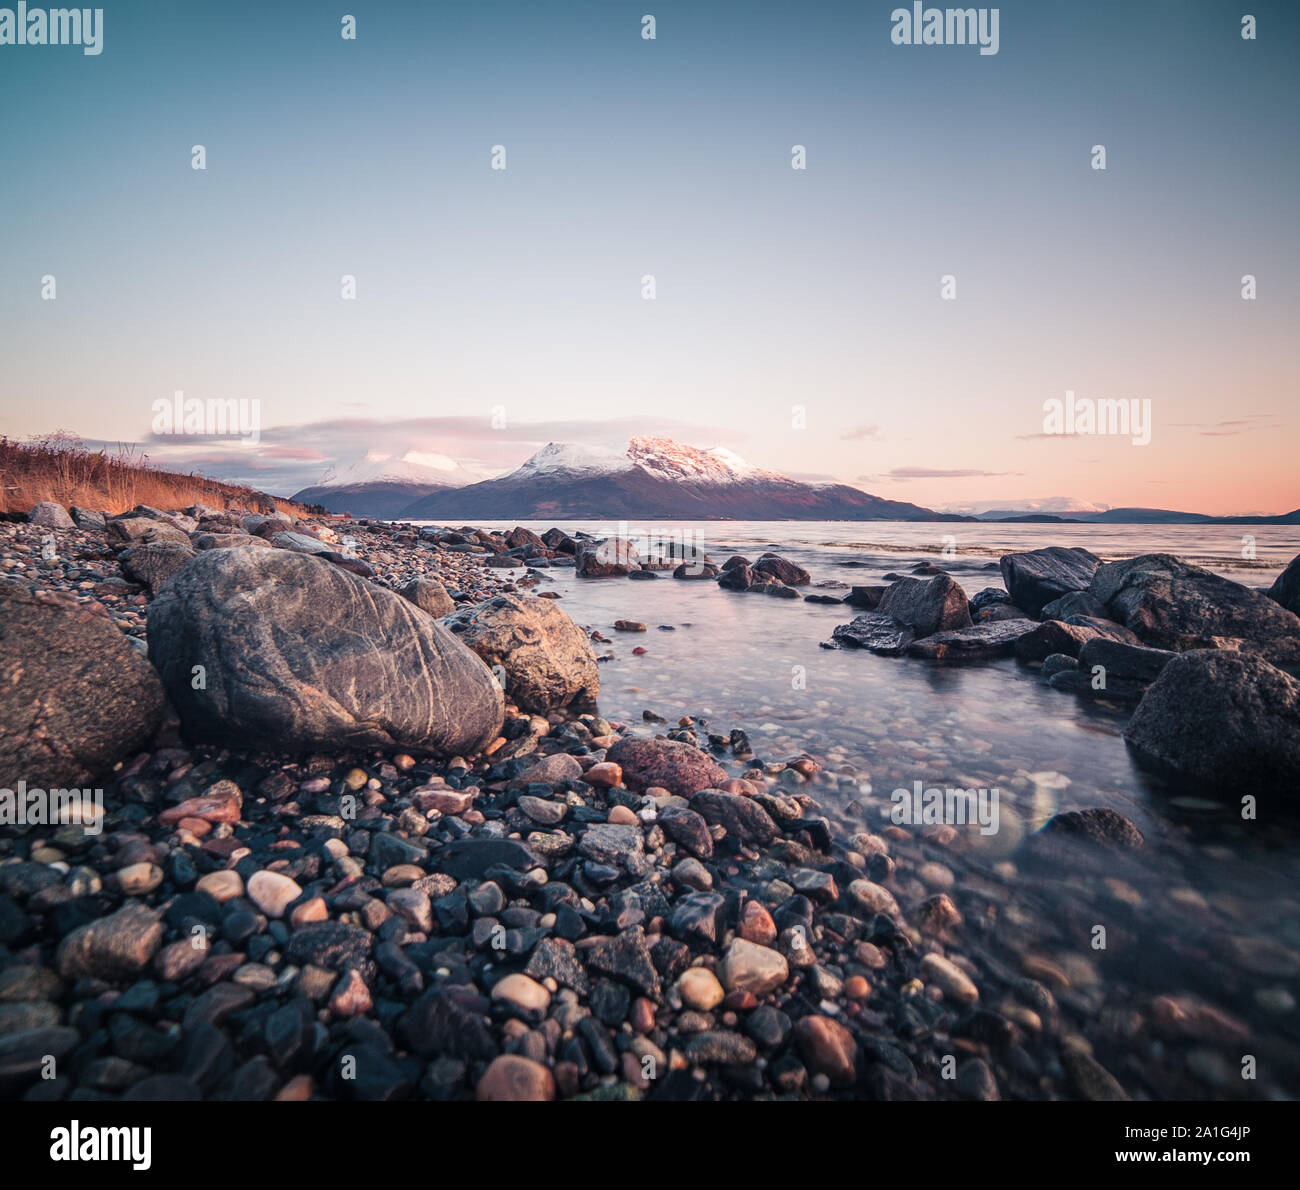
1232	426
902	474
859	433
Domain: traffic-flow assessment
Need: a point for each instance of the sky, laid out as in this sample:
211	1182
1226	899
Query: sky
797	317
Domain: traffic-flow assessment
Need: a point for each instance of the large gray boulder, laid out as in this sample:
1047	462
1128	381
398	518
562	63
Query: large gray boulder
1037	577
604	559
1172	604
153	563
1226	720
927	605
545	657
143	529
75	696
50	515
1286	590
297	655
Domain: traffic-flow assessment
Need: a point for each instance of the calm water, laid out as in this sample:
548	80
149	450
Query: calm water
1210	908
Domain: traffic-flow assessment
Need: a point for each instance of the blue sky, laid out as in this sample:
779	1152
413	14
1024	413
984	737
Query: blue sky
497	310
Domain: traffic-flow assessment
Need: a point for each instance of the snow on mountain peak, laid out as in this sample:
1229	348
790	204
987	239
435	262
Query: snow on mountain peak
414	467
672	460
571	458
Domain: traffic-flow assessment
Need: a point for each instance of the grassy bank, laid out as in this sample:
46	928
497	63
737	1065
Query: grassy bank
62	469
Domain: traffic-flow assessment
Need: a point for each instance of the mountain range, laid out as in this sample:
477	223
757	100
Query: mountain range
654	478
659	479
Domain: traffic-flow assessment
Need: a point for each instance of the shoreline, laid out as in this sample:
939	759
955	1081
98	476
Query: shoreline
533	923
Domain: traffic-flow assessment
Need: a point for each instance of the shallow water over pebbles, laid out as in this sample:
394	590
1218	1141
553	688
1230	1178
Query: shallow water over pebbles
1208	909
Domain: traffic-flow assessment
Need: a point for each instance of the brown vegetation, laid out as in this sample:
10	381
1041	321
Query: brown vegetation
59	467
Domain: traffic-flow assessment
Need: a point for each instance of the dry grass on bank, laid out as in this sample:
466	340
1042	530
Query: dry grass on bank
62	469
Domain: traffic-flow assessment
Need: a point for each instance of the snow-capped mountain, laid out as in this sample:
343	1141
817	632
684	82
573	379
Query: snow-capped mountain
654	479
1062	506
382	485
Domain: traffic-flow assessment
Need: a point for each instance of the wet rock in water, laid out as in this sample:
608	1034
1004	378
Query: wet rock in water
1223	720
736	578
1096	824
1121	660
673	765
867	597
24	1055
116	947
827	1048
1092	1080
1172	604
875	632
744	819
998	611
1098	687
49	515
607	558
429	595
1076	603
1055	663
75	696
512	1078
1055	636
155	562
774	566
695	570
927	605
546	658
950	979
299	655
980	641
1286	590
519	537
1035	578
988	597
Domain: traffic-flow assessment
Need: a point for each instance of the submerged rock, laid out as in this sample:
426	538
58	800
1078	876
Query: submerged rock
604	559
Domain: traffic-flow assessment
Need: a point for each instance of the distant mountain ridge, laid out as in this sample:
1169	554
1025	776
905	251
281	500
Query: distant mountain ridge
656	479
380	486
